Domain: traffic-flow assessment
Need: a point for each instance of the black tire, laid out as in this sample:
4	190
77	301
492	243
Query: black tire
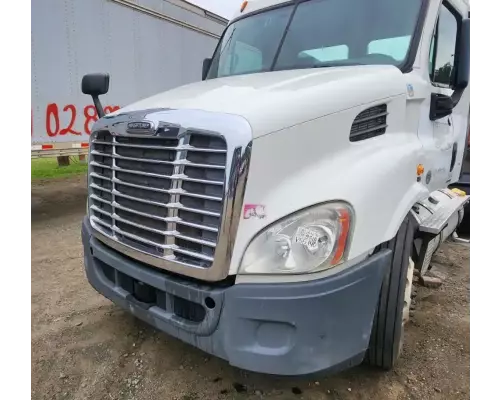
387	330
464	227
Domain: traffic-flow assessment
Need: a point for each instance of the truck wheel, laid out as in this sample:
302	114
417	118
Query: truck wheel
393	310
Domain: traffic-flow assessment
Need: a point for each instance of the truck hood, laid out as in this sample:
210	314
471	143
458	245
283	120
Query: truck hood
272	101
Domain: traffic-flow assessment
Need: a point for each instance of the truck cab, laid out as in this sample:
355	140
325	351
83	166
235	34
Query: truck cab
273	213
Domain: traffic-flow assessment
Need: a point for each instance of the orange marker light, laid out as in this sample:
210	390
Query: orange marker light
342	240
420	169
243	6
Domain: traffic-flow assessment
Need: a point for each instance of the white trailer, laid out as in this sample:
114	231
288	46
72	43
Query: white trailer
148	46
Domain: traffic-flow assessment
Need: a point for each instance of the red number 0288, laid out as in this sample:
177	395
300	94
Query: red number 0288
53	125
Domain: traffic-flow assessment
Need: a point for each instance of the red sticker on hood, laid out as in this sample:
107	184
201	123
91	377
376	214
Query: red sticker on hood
254	211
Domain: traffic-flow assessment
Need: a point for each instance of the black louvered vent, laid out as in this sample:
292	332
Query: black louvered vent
369	123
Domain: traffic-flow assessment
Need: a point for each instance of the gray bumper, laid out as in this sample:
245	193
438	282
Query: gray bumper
282	329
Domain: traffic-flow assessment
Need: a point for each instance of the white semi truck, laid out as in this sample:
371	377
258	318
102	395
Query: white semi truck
273	213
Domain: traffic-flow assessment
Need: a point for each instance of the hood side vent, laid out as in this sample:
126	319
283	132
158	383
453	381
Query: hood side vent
369	123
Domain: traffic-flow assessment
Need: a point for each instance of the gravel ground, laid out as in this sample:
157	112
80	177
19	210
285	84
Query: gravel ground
84	347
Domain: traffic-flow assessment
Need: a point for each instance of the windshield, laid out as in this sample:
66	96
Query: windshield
318	33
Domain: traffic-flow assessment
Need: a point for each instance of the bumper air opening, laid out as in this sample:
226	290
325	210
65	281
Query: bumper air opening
144	293
188	310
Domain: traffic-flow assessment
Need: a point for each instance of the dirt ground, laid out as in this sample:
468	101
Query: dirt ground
84	347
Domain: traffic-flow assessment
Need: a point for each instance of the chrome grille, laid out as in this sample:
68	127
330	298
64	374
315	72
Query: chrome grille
162	194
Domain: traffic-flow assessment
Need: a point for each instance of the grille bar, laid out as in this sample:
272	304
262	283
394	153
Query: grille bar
94	197
165	233
162	196
95	164
167	191
95	186
95	208
177	148
94	175
180	177
180	162
159	245
168	205
176	220
134	172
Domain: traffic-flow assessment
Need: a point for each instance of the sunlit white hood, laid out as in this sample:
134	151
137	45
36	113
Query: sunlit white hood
275	100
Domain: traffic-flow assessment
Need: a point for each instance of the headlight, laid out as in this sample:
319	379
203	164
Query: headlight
307	241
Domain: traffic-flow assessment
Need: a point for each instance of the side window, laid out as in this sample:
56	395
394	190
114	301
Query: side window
395	47
431	54
442	52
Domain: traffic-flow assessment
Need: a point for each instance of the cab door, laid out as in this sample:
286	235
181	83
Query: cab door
449	132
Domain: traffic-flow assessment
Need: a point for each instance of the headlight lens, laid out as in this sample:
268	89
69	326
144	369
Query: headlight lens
307	241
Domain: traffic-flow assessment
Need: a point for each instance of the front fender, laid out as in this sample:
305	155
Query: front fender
313	163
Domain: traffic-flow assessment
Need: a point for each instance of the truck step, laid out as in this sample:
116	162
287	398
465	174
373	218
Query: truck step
429	247
436	222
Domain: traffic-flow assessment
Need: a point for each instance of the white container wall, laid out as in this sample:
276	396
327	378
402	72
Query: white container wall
147	46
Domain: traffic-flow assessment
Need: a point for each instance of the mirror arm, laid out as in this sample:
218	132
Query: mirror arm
95	85
98	105
456	96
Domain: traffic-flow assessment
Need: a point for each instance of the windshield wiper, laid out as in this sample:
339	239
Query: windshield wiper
336	64
321	65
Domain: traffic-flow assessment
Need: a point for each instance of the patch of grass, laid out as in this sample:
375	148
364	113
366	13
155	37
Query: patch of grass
46	168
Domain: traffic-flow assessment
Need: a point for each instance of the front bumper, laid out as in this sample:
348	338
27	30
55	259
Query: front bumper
283	329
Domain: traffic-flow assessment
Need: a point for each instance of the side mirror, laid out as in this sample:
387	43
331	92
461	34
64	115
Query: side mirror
206	67
463	67
95	85
442	105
